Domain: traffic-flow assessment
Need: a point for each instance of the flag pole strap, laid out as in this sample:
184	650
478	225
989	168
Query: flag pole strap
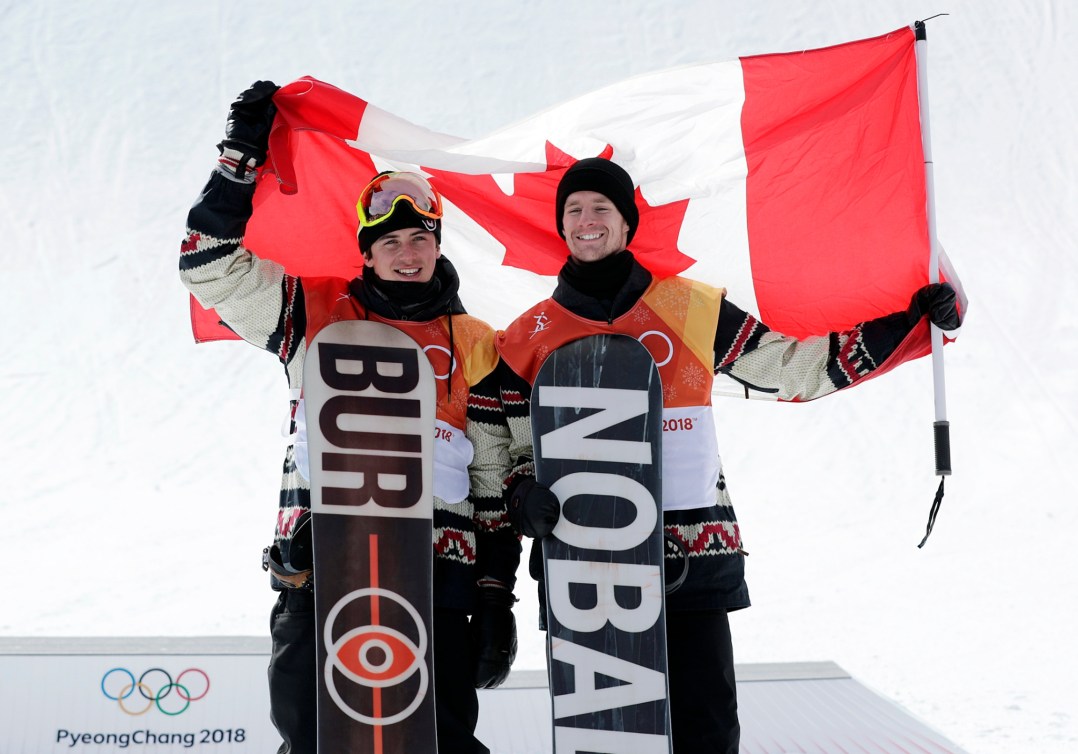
941	427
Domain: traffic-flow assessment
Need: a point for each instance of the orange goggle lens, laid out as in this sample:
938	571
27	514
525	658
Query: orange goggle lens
381	195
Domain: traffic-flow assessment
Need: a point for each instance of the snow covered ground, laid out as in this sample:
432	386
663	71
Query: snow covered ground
143	469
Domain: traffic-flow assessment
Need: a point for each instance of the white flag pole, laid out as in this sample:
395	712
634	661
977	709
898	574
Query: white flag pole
941	427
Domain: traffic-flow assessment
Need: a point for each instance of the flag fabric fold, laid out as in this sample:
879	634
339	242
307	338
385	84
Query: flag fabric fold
794	180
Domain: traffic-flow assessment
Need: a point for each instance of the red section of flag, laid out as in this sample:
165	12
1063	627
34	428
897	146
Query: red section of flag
838	231
304	206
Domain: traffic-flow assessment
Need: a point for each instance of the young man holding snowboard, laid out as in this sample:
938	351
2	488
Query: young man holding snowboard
692	332
406	281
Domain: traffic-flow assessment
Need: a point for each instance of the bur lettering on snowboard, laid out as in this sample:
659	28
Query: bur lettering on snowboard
597	431
369	401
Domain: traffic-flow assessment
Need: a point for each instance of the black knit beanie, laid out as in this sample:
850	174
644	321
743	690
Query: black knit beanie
606	178
402	216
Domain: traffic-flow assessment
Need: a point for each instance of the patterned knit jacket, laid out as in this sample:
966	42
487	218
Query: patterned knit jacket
749	352
472	539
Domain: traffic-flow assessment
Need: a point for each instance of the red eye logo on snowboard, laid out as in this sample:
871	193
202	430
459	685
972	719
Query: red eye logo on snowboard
377	656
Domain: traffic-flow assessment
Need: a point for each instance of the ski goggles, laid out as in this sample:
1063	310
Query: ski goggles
382	195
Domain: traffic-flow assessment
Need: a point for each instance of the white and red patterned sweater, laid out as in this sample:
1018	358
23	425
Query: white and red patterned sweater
744	349
265	306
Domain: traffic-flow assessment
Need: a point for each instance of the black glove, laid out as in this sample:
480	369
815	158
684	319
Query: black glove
292	565
247	131
940	302
494	636
533	509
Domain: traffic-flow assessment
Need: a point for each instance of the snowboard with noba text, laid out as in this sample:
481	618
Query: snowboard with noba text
596	410
369	401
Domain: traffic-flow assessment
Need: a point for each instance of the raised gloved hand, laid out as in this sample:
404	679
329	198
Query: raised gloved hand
533	509
940	302
250	119
493	634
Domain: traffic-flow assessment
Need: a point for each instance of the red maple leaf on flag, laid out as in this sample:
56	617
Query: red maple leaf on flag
523	222
655	242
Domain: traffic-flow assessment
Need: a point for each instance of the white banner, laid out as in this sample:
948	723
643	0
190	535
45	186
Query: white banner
111	702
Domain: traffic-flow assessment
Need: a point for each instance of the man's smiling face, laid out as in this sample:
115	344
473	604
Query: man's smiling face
407	255
594	229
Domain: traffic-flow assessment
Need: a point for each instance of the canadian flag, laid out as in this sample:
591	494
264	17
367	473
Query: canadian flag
795	180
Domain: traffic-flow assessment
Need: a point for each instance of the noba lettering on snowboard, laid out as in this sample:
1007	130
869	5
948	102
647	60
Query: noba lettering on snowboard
369	402
597	428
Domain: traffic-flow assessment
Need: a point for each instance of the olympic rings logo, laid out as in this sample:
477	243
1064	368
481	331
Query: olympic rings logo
137	697
376	657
